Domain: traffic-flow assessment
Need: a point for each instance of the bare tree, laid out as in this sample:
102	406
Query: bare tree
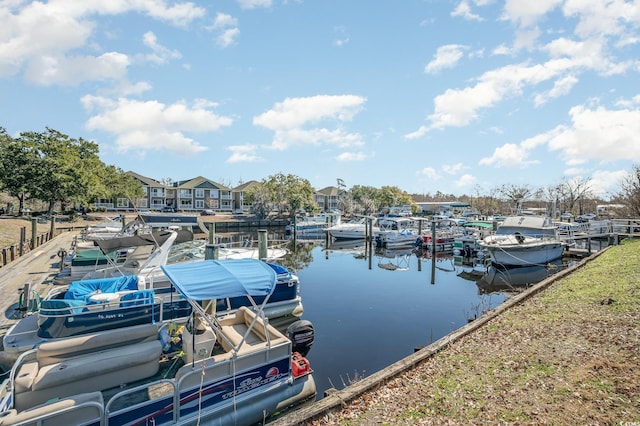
516	195
630	191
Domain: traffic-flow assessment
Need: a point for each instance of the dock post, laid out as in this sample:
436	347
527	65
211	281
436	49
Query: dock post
295	227
433	238
262	244
212	233
34	233
211	251
23	238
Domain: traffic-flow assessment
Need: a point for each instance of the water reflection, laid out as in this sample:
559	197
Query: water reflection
500	279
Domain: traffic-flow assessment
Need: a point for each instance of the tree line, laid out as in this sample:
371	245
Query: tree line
52	167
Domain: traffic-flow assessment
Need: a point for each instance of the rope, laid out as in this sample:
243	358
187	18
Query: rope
200	393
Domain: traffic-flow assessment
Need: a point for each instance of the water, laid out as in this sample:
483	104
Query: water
371	311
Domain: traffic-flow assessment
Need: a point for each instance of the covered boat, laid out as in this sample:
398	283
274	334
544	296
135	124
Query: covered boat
235	369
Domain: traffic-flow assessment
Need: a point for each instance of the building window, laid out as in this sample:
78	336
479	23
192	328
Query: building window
199	204
199	193
214	193
122	202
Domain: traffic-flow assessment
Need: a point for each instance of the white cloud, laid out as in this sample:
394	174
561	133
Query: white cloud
141	126
227	26
430	173
602	18
243	154
223	20
446	57
509	155
561	87
599	134
45	38
227	37
465	181
527	13
352	156
464	10
252	4
299	121
69	71
453	169
160	53
607	182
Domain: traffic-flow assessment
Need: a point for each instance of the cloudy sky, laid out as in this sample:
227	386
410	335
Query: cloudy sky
428	95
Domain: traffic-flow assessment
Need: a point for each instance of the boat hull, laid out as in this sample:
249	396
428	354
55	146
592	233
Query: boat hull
525	255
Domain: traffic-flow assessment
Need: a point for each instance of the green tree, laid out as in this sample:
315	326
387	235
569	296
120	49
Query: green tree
66	169
290	193
258	196
19	167
52	167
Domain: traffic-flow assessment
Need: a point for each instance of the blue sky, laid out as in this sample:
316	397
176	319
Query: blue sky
456	96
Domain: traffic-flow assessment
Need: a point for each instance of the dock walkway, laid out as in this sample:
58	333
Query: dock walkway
36	268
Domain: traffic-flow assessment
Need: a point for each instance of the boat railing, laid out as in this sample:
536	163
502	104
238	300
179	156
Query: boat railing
56	412
119	404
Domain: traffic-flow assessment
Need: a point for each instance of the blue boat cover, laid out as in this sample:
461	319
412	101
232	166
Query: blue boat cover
78	290
218	279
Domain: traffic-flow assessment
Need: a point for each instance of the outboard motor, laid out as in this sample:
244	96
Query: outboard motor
301	335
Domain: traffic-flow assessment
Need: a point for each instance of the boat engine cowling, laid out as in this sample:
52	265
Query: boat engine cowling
301	335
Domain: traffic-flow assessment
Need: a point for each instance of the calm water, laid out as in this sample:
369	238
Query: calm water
371	311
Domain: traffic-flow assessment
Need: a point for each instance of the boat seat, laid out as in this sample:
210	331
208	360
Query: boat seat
98	361
86	408
234	327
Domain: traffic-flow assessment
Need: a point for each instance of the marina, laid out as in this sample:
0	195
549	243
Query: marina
386	302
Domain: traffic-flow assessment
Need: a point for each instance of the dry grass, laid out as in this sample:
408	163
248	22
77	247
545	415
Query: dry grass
567	356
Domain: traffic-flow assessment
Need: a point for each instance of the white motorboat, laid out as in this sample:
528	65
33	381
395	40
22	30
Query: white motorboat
524	241
354	229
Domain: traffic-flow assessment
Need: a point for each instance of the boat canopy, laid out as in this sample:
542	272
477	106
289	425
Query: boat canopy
219	279
154	238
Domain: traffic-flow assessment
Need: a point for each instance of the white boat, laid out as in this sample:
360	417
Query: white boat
354	229
397	232
236	369
524	241
313	225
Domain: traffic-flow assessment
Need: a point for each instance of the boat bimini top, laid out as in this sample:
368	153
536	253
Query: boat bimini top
219	279
208	280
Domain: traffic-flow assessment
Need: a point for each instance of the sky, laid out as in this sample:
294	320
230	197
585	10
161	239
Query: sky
459	96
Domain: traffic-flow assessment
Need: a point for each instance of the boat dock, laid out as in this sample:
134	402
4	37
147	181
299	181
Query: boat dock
32	272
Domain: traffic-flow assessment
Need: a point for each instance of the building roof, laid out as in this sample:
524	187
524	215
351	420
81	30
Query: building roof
199	182
146	180
329	191
246	185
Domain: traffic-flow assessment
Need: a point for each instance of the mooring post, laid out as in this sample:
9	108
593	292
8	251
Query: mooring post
211	251
433	238
23	238
212	233
34	233
52	229
262	244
